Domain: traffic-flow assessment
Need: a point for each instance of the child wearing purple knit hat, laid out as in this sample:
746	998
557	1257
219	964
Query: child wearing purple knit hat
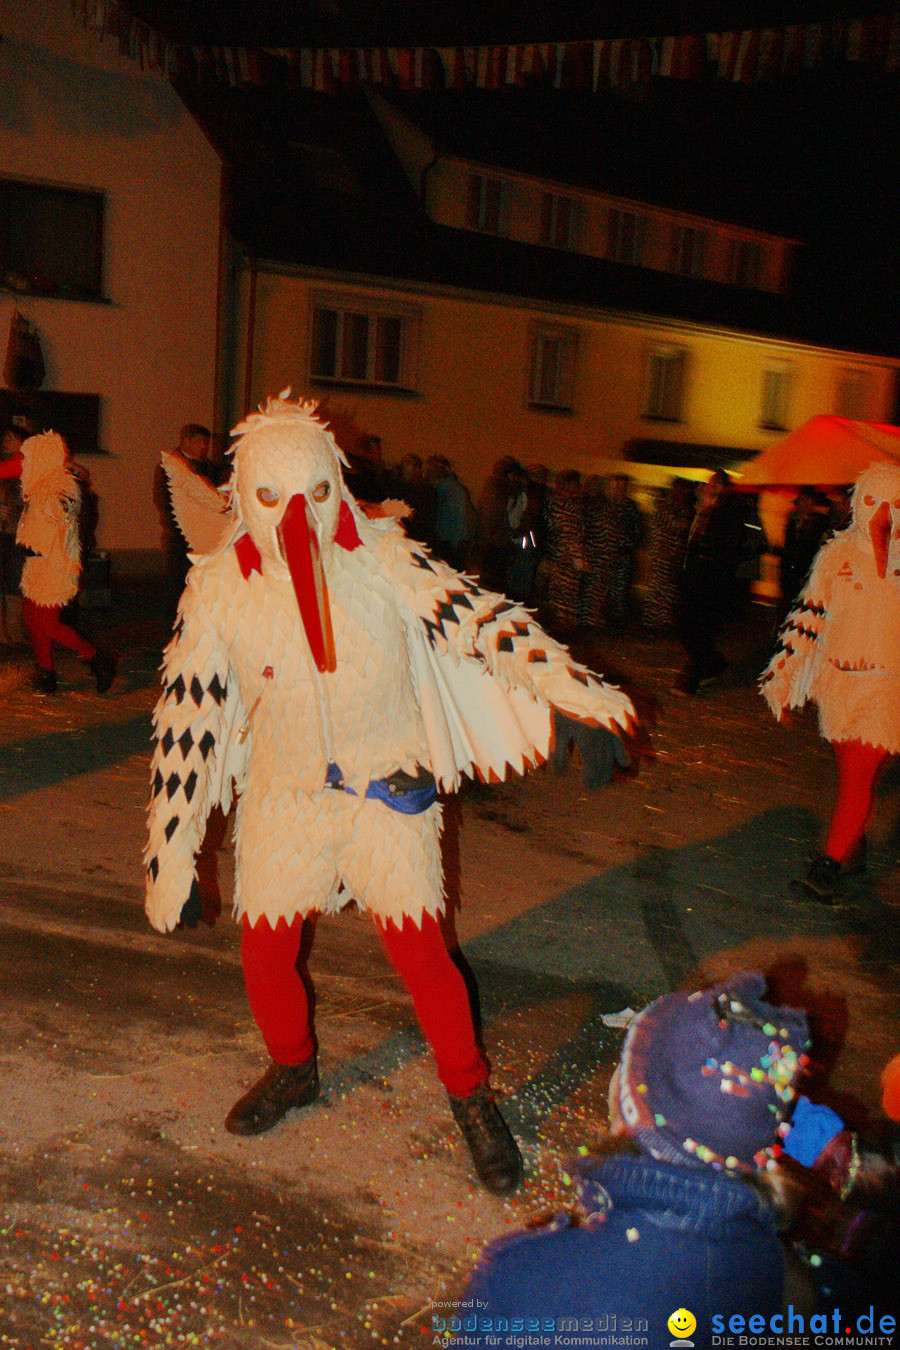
683	1206
709	1077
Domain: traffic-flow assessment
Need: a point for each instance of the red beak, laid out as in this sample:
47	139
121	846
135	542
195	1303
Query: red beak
880	535
299	542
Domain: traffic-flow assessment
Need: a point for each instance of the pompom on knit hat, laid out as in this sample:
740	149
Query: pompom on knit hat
709	1077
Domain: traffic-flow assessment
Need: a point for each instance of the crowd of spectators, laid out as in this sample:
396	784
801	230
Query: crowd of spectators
568	545
588	557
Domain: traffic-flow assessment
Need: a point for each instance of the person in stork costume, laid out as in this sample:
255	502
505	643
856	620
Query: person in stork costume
333	675
48	531
840	648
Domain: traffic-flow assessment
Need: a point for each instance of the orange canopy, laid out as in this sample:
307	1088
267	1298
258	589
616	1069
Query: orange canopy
825	452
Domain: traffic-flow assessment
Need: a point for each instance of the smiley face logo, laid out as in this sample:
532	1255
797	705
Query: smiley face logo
682	1324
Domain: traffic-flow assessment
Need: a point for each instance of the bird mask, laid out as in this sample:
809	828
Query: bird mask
288	494
876	511
43	456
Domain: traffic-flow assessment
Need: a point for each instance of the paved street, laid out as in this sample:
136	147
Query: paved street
130	1218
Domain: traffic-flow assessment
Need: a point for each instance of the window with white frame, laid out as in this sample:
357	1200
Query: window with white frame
777	382
626	237
487	204
747	258
688	250
852	395
665	386
559	219
551	381
357	341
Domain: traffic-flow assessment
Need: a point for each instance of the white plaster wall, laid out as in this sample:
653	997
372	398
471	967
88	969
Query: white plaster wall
471	399
73	112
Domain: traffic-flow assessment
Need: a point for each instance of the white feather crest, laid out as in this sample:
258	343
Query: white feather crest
282	411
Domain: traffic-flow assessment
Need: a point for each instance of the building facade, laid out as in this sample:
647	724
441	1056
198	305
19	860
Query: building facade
474	376
590	376
110	197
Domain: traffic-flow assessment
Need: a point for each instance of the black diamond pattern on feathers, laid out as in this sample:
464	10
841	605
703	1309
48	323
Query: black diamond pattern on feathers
447	613
495	613
217	690
177	688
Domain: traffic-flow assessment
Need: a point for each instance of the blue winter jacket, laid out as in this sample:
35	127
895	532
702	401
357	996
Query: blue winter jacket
660	1237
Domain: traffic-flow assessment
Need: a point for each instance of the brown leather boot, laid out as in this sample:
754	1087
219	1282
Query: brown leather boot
495	1153
282	1088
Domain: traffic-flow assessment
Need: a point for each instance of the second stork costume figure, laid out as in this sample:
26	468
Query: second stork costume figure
334	675
840	648
48	531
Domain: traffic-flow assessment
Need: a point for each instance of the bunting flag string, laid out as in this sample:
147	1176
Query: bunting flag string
749	56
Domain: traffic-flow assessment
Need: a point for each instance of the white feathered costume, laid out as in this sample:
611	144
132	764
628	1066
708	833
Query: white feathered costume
382	660
840	645
48	525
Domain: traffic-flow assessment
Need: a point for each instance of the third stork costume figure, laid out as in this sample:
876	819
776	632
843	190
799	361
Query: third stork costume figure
334	675
48	531
840	647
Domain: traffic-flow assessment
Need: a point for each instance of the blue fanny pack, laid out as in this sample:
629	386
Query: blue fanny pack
401	791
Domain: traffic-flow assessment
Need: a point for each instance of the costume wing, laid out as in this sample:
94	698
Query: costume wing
786	681
48	528
200	511
488	675
197	755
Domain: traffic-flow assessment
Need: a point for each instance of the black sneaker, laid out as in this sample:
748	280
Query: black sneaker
282	1088
820	882
45	681
495	1153
103	668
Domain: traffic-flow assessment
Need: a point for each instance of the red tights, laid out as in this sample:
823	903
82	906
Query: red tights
43	626
275	976
858	767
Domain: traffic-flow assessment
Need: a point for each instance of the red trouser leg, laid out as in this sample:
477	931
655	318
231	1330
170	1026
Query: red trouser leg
71	638
438	991
43	626
858	766
38	622
275	990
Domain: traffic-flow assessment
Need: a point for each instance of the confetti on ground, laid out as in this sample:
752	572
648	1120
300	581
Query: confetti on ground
130	1221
